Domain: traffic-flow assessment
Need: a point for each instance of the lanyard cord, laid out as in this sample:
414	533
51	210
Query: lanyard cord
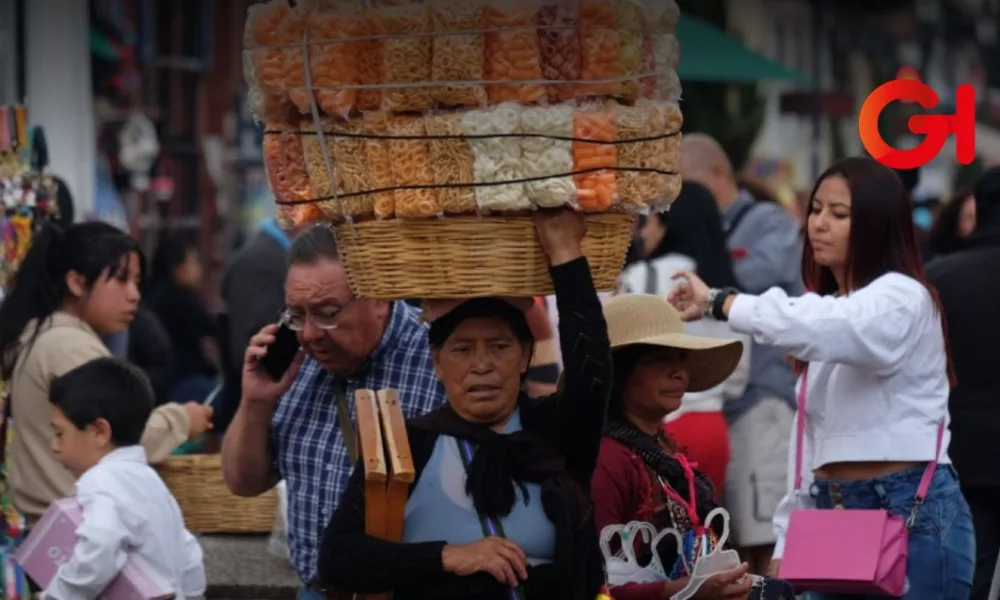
690	505
491	527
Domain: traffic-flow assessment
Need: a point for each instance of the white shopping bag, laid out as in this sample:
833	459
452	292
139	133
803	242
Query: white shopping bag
278	544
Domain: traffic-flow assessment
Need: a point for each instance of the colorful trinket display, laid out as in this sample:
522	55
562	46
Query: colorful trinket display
27	200
27	193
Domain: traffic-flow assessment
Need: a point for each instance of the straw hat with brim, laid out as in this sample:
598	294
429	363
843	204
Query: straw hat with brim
644	319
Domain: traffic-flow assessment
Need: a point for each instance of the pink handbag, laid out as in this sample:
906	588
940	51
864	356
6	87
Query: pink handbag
847	551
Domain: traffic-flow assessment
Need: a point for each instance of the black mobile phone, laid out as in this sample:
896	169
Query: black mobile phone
281	353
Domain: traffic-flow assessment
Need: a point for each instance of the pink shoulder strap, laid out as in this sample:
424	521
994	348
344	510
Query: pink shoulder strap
800	428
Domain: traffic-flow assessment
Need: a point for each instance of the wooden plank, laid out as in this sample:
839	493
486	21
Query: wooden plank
401	472
373	458
397	442
370	442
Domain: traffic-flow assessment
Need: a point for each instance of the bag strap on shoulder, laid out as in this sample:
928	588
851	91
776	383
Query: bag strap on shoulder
738	218
489	525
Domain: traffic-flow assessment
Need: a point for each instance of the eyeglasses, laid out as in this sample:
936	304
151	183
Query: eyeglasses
325	319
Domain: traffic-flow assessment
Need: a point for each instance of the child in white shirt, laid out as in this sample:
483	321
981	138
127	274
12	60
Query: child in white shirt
100	411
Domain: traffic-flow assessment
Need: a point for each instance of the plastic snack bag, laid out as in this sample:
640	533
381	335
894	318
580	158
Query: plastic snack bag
278	544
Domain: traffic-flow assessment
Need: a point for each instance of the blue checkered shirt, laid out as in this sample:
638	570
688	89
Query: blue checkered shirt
308	444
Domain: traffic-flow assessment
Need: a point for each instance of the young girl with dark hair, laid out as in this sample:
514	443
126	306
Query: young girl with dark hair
75	285
872	335
193	330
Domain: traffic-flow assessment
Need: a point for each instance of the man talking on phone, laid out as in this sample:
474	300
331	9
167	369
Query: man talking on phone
298	426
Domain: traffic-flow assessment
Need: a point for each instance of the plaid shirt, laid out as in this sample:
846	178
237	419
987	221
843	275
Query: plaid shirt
308	444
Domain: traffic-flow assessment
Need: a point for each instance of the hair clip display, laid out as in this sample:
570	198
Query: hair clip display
27	195
701	554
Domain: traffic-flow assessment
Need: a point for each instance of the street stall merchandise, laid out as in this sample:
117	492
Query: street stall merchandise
27	193
27	200
427	132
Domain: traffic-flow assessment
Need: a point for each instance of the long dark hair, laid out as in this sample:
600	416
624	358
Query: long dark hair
943	237
38	289
694	229
882	238
170	253
442	328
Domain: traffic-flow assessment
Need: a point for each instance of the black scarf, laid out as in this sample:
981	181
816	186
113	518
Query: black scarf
502	463
648	448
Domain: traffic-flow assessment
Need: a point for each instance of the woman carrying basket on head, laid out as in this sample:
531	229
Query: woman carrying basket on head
873	395
500	507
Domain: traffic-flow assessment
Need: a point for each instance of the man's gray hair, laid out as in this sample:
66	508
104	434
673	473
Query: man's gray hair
313	244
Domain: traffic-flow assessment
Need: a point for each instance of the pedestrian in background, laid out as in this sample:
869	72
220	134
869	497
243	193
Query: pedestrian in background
967	282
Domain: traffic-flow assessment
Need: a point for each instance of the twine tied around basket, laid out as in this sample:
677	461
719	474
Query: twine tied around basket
320	134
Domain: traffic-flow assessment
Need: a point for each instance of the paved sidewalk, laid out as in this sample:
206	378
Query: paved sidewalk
239	567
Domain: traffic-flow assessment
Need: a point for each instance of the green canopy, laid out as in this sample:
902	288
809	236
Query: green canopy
102	46
710	54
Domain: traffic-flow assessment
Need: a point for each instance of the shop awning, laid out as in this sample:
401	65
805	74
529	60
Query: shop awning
711	55
102	46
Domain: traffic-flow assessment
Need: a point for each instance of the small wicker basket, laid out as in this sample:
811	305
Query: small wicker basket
468	257
206	502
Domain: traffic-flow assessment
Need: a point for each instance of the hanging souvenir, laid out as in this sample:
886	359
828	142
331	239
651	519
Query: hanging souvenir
8	239
27	191
21	220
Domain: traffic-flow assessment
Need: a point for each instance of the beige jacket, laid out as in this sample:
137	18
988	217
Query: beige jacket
36	477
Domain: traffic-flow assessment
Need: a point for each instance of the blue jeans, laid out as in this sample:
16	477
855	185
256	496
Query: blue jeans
942	548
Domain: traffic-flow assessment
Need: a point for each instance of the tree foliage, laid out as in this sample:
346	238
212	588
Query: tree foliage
731	113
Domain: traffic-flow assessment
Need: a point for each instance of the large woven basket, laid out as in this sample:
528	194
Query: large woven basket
467	257
206	502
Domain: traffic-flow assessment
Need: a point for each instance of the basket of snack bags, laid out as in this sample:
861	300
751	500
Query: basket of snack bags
427	132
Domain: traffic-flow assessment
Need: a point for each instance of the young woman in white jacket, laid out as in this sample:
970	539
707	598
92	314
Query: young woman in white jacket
873	336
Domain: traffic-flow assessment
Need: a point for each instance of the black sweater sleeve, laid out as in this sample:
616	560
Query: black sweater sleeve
575	415
351	560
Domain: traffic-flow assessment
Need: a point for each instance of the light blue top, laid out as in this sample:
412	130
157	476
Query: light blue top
440	510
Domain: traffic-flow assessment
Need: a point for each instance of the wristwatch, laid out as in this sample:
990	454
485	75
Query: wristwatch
716	300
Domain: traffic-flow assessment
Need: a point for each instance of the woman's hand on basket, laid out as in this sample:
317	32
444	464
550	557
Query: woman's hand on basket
258	387
560	233
501	558
690	297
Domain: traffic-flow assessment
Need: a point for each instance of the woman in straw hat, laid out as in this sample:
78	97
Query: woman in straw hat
641	475
691	237
499	507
